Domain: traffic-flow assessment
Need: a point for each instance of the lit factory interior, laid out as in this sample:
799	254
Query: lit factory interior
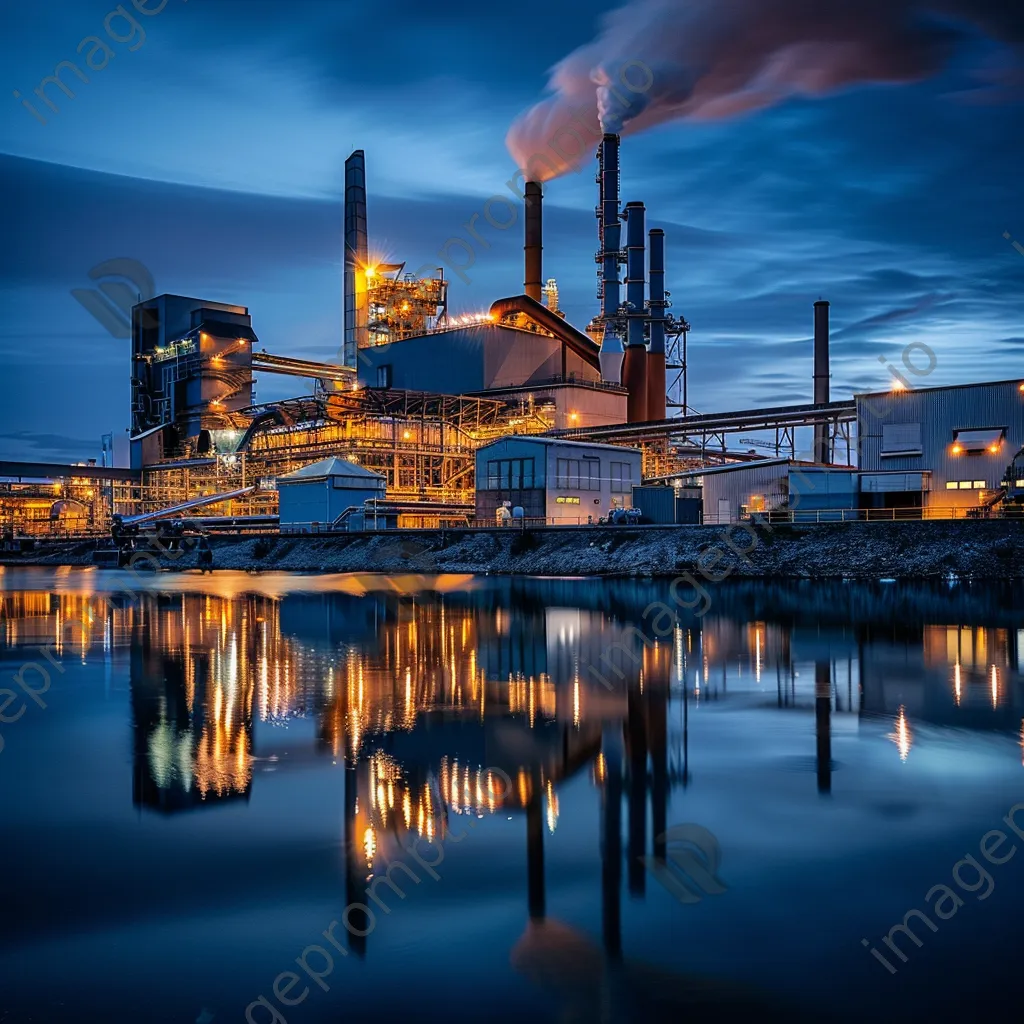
399	420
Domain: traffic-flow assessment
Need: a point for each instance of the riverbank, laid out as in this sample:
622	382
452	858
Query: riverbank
992	549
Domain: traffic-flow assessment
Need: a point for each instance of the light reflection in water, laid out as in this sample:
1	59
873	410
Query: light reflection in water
415	694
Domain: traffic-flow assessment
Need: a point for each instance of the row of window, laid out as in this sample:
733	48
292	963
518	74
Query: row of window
571	475
966	485
510	474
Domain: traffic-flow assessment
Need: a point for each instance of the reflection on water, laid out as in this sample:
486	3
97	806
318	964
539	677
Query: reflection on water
428	697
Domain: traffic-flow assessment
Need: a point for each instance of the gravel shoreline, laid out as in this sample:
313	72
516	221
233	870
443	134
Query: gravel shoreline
987	549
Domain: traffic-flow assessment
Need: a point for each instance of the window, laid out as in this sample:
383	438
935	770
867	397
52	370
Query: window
509	474
951	485
384	376
901	439
980	485
978	442
568	474
590	474
622	477
1020	483
965	485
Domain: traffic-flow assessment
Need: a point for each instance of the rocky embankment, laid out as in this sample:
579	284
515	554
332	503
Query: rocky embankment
968	549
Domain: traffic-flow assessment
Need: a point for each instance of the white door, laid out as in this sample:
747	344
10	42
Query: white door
724	511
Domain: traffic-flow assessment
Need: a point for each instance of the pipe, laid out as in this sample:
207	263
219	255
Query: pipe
534	246
634	363
185	506
821	378
357	305
611	235
656	400
577	341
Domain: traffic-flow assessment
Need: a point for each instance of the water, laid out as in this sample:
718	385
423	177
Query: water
221	765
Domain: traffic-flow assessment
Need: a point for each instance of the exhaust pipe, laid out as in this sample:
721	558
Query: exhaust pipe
656	400
357	305
821	378
634	363
611	243
534	246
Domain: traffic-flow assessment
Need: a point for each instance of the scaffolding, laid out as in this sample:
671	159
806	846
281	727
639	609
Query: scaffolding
403	306
423	444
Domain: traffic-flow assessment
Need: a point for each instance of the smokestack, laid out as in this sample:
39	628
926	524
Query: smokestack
357	306
821	377
634	364
534	239
611	243
656	401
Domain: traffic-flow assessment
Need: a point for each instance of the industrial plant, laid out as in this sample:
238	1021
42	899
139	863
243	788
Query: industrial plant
428	419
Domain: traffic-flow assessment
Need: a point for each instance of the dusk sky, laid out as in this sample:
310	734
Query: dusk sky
213	153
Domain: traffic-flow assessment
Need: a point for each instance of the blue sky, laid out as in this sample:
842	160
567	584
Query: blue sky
213	153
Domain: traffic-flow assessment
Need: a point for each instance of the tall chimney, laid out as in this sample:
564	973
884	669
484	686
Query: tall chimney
634	364
357	306
611	243
821	377
656	401
534	240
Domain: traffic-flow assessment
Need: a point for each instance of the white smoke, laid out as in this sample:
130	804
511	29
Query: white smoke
658	60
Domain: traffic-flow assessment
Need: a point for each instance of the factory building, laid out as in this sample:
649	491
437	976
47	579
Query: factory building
560	482
938	448
191	375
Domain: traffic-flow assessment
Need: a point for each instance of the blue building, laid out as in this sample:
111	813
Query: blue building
312	498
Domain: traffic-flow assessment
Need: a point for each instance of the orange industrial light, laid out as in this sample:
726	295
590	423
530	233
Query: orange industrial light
957	449
994	448
1021	388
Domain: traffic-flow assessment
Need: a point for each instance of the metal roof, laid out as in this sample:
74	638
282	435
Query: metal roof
941	387
542	439
759	464
325	468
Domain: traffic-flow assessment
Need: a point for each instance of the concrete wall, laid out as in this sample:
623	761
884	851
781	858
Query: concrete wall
940	412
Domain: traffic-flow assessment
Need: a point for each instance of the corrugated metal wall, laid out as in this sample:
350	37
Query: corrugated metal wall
724	493
940	412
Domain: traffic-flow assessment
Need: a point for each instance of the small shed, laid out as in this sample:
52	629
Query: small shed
312	498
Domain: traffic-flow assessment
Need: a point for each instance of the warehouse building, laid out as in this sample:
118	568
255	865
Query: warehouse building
810	491
939	448
561	482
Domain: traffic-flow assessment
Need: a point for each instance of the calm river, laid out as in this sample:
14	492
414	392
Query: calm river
300	799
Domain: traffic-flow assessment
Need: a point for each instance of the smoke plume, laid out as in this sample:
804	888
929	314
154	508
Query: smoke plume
658	60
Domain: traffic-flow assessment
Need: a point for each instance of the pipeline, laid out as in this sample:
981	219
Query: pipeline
575	340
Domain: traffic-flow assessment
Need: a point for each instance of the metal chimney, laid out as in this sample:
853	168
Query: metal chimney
357	306
634	364
534	240
821	378
611	244
656	400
